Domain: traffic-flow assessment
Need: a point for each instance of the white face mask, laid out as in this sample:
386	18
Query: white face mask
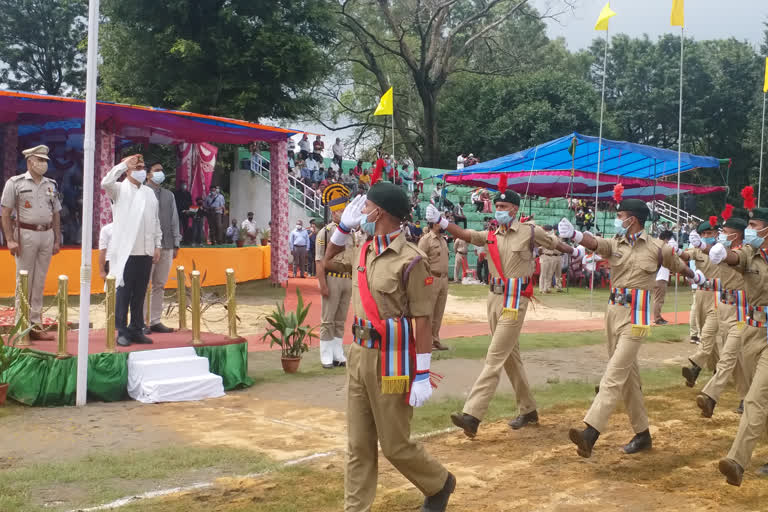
158	177
139	175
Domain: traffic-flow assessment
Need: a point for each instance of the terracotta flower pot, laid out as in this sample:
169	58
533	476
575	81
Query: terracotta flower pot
264	241
4	392
290	364
239	243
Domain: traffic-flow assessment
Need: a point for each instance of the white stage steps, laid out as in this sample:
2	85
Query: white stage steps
171	375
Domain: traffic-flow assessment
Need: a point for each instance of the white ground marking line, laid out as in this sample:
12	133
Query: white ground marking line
299	425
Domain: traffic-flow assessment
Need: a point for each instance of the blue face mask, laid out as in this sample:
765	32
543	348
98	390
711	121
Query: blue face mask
722	238
619	225
503	217
751	238
158	177
709	240
368	228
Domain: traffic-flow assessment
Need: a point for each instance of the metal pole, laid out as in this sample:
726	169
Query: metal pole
231	304
679	151
393	131
762	141
196	307
89	147
24	308
110	314
62	321
181	292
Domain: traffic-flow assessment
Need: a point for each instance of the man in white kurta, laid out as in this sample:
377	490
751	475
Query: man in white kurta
135	245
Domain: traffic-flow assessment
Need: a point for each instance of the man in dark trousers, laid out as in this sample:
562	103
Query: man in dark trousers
183	202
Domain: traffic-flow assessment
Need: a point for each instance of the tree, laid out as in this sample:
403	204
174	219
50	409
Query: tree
245	59
41	45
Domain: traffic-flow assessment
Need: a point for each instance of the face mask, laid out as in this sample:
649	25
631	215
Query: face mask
183	186
751	238
723	239
139	176
368	228
503	217
158	177
619	225
40	168
299	226
709	240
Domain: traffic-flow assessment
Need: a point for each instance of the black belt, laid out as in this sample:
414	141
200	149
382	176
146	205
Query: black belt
365	333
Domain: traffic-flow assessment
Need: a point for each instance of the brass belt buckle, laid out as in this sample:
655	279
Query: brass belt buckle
40	227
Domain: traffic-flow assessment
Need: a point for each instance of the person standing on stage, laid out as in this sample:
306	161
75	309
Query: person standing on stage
433	244
298	241
392	301
251	230
510	248
36	236
635	258
461	249
214	204
334	280
551	267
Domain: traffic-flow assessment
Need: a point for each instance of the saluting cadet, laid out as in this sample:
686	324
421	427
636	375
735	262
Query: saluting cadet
635	258
389	361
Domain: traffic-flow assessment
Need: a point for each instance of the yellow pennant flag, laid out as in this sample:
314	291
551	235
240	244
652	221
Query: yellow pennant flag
765	85
385	104
678	13
606	14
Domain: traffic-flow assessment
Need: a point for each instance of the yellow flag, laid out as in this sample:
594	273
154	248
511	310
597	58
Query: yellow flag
385	104
678	13
606	14
765	85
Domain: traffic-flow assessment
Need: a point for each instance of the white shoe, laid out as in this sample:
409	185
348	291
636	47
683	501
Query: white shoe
326	353
338	352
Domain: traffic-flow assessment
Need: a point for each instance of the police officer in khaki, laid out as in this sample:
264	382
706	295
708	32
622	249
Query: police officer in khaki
635	258
750	261
392	302
551	267
334	280
460	247
434	245
35	236
510	249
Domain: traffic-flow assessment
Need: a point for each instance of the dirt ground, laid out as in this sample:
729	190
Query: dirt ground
460	310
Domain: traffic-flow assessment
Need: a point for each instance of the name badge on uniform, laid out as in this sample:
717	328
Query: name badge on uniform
27	205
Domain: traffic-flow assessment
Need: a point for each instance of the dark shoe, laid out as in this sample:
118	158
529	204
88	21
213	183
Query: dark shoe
762	470
639	443
532	418
340	364
439	502
695	340
467	422
123	341
597	389
691	373
328	366
141	339
160	328
584	440
661	321
706	404
732	471
146	330
740	408
38	335
436	345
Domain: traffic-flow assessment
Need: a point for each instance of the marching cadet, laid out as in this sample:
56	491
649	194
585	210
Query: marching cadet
434	245
37	234
460	247
751	260
334	280
635	258
706	314
511	252
551	266
392	299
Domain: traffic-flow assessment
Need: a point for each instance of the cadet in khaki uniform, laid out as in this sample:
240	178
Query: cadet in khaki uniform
460	247
334	280
513	242
751	260
392	301
433	244
635	259
37	234
551	267
705	313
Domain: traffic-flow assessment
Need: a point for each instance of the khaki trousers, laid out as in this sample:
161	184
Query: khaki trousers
440	286
659	293
386	418
334	307
621	380
706	317
729	353
753	340
694	332
549	268
503	354
458	267
159	277
36	253
753	421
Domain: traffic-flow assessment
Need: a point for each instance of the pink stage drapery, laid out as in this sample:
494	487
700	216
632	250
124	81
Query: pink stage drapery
105	160
195	167
10	150
278	168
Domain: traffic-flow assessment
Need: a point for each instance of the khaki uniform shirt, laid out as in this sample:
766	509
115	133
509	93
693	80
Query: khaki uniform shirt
703	263
36	203
755	270
460	246
515	248
732	278
436	249
385	280
635	266
340	263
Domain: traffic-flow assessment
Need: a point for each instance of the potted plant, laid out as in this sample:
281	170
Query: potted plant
9	354
287	329
265	236
241	234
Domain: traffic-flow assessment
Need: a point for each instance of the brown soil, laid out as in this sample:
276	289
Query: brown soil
460	310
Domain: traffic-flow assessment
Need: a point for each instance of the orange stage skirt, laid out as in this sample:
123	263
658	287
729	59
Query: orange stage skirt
249	263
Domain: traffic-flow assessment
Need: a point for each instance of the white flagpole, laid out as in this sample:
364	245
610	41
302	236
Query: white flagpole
762	141
679	150
393	129
89	149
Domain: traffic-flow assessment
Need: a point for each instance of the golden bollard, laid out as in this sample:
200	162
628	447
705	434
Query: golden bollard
181	292
196	307
63	320
111	314
231	306
24	307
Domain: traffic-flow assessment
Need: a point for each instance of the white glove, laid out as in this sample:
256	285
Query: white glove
578	252
566	230
717	253
350	219
421	388
694	238
673	244
698	278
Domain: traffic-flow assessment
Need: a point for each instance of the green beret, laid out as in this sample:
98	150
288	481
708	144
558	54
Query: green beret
759	214
636	207
390	198
736	223
706	226
508	196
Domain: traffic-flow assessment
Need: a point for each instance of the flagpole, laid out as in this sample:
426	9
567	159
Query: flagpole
89	150
762	141
679	150
393	135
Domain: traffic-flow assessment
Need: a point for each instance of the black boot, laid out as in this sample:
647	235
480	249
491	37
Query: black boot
691	373
732	471
584	440
762	470
740	409
532	418
640	442
467	422
706	404
439	502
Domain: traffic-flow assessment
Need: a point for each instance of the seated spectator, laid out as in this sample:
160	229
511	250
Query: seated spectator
485	197
471	160
357	171
364	181
475	198
318	175
304	147
458	214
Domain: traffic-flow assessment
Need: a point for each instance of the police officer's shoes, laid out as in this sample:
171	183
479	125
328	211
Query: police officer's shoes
436	345
159	327
439	502
706	404
584	440
141	339
340	364
39	335
123	341
732	471
467	422
691	373
532	418
762	470
640	442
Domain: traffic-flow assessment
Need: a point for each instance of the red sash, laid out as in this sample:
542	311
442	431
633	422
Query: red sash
369	305
493	250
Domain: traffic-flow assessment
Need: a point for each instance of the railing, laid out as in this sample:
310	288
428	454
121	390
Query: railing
670	212
300	193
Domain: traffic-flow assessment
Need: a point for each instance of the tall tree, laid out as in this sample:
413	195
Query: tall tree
41	45
240	58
